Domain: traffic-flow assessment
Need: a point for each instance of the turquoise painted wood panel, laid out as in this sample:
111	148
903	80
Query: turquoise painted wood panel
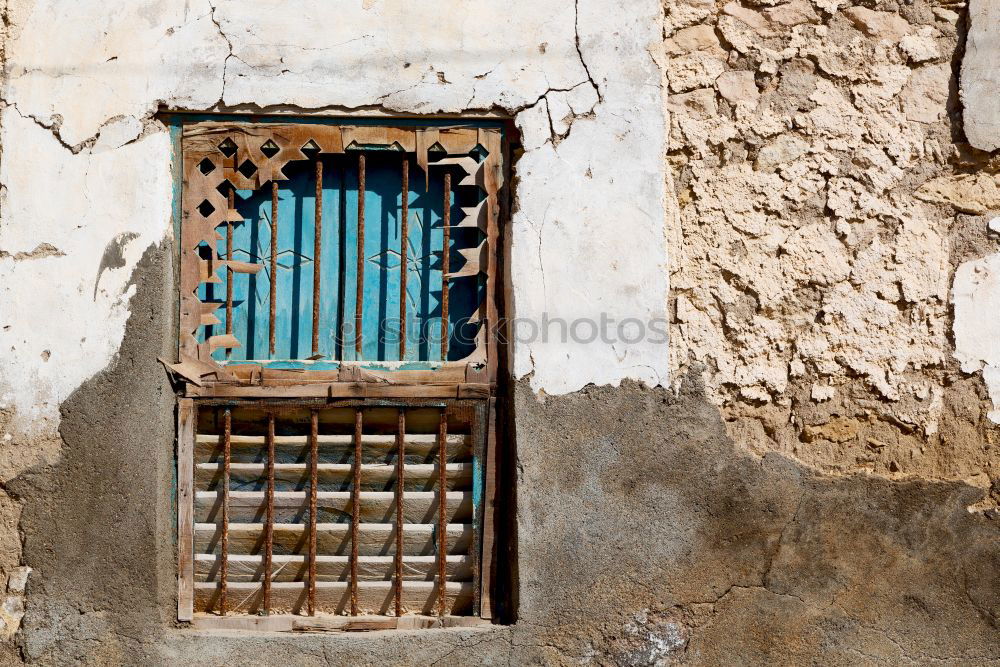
338	267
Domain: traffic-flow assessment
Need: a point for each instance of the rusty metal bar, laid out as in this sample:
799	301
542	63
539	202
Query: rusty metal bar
359	299
400	468
404	238
313	481
445	265
269	517
227	426
317	255
442	542
229	269
274	266
355	510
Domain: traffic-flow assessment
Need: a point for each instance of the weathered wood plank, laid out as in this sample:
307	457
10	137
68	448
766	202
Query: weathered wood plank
453	373
331	506
185	511
374	597
334	539
305	389
330	623
488	553
245	567
332	476
332	448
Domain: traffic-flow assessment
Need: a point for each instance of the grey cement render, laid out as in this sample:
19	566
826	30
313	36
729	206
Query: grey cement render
644	536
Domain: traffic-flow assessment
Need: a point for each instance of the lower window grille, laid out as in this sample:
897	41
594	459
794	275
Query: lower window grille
341	509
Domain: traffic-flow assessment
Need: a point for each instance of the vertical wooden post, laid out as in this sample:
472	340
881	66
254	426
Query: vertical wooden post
186	418
489	512
492	177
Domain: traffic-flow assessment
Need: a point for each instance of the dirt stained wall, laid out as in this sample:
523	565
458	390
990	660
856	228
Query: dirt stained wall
644	534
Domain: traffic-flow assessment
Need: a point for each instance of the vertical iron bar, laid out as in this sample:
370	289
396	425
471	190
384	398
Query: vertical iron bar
355	510
269	518
442	509
445	266
274	265
229	268
313	480
400	468
317	252
359	298
339	342
227	426
404	242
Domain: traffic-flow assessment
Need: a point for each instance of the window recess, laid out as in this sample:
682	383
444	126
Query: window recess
337	369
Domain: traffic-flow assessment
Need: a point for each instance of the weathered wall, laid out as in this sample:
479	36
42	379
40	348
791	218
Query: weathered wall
645	537
813	264
814	485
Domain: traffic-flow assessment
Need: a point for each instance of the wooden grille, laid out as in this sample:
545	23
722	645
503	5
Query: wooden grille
311	492
337	510
310	243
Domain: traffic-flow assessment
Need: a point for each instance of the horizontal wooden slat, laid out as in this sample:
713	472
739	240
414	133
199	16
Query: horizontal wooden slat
454	372
332	448
374	597
332	476
245	567
306	389
330	623
293	506
244	267
333	539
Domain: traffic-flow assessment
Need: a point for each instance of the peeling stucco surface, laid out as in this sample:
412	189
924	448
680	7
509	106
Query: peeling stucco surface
977	327
83	114
811	261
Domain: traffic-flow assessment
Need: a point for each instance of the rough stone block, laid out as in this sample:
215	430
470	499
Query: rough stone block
981	76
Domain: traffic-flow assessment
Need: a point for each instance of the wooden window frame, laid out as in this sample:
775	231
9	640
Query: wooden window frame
202	381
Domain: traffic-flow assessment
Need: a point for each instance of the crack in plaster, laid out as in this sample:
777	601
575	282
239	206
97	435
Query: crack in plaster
89	142
229	44
579	51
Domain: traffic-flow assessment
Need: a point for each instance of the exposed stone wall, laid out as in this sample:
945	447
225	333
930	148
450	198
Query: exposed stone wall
811	273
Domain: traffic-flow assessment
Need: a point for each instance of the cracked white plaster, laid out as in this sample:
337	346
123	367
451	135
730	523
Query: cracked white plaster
113	59
76	204
488	54
86	164
600	260
976	298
